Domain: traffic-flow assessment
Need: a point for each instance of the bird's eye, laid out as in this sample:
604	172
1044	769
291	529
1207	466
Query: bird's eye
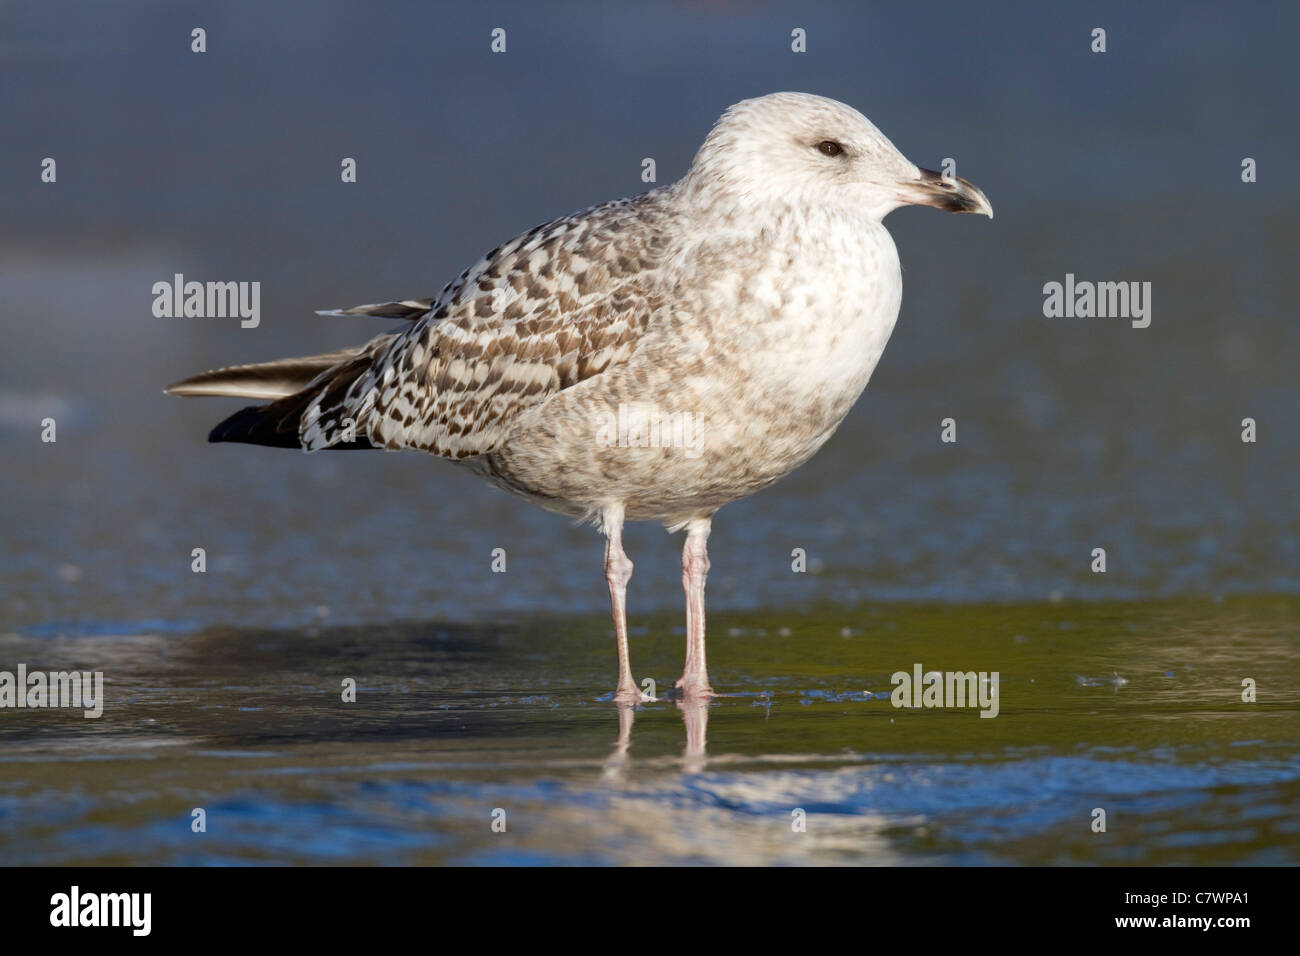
829	147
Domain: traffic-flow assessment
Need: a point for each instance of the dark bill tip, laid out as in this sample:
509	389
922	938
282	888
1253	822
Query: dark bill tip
950	193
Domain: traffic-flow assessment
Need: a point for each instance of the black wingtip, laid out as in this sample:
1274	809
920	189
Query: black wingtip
254	425
266	425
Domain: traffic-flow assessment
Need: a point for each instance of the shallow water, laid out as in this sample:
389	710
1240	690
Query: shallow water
1134	708
481	690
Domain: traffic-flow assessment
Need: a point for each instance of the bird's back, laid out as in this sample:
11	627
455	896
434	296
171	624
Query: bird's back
542	313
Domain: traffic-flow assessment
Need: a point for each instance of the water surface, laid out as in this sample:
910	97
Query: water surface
480	690
1133	708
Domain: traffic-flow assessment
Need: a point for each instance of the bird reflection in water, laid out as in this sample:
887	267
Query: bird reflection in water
695	715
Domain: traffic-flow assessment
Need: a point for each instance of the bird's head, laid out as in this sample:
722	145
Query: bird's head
797	148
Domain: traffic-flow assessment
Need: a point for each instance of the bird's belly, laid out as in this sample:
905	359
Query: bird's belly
791	395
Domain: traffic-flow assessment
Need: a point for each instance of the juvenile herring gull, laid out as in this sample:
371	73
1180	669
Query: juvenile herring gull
650	359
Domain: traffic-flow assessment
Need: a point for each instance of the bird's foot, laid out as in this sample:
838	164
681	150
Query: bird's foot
629	694
694	687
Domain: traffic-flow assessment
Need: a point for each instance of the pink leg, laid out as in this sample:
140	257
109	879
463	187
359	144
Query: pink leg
694	681
618	571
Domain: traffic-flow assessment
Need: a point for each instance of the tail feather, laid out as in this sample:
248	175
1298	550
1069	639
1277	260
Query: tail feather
411	309
278	379
297	385
277	424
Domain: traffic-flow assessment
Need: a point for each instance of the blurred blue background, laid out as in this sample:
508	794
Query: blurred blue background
1072	433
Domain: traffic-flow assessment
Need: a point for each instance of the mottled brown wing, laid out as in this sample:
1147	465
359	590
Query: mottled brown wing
542	313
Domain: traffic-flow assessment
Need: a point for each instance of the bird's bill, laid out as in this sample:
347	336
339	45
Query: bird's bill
950	193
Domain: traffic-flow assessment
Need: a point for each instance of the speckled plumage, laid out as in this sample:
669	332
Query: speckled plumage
539	315
747	303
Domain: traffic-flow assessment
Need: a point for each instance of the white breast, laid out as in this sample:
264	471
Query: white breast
842	297
808	326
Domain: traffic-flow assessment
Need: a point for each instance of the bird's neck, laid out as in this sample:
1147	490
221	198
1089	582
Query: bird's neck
797	218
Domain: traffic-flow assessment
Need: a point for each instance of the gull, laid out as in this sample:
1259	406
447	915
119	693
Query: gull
649	359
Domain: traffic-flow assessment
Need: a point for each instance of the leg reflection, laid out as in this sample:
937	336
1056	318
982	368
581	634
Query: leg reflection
616	762
695	714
